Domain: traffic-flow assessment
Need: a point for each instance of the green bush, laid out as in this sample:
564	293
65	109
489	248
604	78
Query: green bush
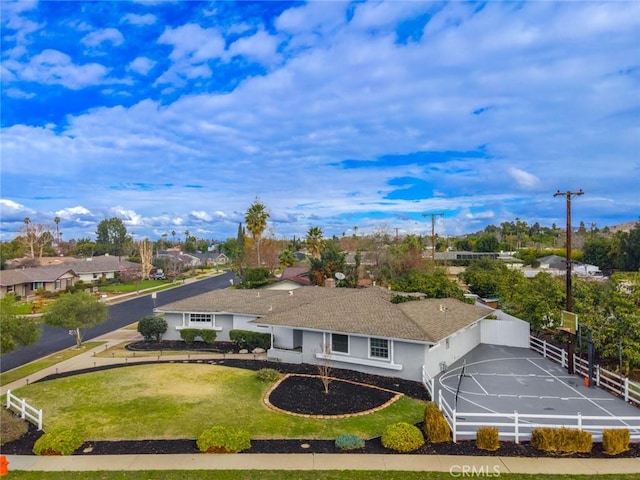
250	340
58	442
402	437
615	441
436	426
561	440
268	375
348	441
255	277
189	335
221	439
152	327
488	438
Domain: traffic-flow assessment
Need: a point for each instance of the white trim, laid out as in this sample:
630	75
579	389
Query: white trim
359	361
183	327
348	352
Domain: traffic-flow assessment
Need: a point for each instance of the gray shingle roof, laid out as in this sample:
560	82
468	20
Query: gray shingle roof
35	274
358	311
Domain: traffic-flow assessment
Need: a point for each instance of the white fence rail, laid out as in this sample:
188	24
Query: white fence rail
603	378
19	405
518	427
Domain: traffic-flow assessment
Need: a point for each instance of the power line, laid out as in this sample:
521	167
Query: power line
568	195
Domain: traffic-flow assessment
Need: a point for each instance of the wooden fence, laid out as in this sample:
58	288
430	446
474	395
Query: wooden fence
26	411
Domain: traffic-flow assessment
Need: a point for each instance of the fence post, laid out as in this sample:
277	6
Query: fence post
23	408
39	419
8	398
564	358
544	348
455	425
597	375
516	428
579	421
626	389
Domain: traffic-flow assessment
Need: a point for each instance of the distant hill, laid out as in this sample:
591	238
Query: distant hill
623	227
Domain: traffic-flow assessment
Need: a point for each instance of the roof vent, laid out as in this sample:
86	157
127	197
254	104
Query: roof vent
290	292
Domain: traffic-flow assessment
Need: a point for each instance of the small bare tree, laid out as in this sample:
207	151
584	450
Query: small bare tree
324	368
145	248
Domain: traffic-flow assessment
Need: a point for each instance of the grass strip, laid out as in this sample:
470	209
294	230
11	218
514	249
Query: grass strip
291	475
46	362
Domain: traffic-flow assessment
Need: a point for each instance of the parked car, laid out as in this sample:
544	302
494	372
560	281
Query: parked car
158	276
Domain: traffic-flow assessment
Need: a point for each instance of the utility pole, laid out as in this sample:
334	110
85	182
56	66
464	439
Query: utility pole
568	195
433	233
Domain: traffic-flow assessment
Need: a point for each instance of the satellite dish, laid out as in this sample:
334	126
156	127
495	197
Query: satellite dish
340	276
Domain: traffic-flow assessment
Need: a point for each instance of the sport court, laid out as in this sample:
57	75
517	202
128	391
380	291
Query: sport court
499	379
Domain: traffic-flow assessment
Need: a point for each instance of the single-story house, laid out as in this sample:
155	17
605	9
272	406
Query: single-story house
26	281
292	278
92	269
357	329
185	260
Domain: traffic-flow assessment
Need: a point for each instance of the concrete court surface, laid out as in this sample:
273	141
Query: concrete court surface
501	379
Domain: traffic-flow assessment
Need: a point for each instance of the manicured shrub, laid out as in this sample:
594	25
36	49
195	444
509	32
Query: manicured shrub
58	442
402	437
436	426
221	439
348	441
250	340
208	336
268	375
488	438
152	327
561	440
189	335
615	441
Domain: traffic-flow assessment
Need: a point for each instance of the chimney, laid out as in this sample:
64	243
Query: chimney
330	283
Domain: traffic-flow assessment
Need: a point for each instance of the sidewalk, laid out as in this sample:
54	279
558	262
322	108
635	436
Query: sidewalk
456	465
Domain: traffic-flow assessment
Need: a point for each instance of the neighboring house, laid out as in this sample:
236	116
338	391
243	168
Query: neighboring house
212	258
25	282
185	260
358	329
292	278
92	269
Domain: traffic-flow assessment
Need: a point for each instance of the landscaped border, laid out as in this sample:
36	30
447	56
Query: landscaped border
389	402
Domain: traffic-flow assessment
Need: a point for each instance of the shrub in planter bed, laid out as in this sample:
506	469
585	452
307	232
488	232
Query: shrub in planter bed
189	335
488	438
435	425
347	441
58	442
561	440
221	439
250	340
268	375
402	437
615	441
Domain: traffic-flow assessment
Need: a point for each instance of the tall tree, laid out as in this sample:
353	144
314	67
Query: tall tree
56	220
256	220
435	284
314	241
145	248
76	311
111	236
16	331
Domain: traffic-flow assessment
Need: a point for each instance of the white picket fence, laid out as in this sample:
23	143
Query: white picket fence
612	382
517	426
19	405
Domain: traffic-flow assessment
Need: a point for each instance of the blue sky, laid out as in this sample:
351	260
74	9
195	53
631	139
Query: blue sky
177	115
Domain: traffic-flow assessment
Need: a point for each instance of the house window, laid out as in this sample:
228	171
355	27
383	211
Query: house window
201	319
11	288
58	284
339	343
379	348
37	285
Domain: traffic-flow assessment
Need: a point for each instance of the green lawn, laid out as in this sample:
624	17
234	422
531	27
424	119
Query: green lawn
33	367
181	400
134	287
290	475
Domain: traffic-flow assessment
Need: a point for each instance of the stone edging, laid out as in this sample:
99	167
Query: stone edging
396	397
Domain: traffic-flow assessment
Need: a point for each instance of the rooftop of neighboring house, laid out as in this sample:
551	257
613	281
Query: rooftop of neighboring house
362	311
34	274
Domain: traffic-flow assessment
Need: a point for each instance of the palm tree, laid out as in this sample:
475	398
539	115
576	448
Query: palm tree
314	241
286	258
256	220
57	222
173	236
186	235
28	235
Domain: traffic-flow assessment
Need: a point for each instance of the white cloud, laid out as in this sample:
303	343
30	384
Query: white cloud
53	67
261	47
193	42
201	215
522	178
72	212
98	37
135	19
142	65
